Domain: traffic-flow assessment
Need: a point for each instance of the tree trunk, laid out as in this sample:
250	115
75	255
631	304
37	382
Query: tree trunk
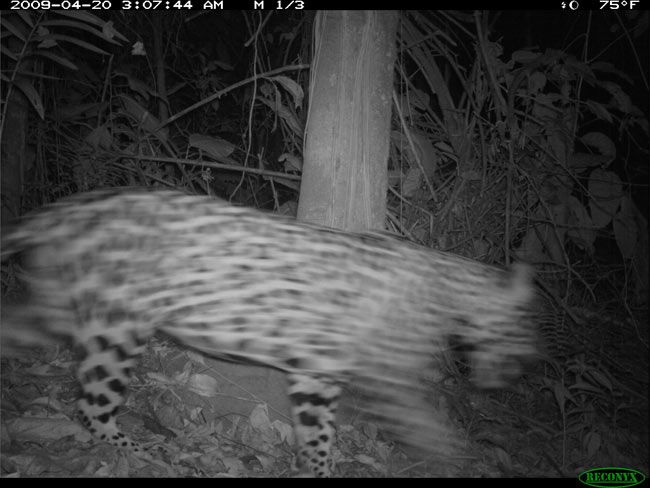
344	178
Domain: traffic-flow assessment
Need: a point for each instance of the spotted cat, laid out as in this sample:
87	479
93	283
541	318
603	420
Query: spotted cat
110	268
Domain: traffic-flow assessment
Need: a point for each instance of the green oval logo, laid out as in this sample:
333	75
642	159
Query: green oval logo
611	477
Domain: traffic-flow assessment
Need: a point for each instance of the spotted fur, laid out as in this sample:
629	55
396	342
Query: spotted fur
110	268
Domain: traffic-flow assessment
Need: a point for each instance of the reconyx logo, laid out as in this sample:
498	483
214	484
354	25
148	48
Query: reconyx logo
611	477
